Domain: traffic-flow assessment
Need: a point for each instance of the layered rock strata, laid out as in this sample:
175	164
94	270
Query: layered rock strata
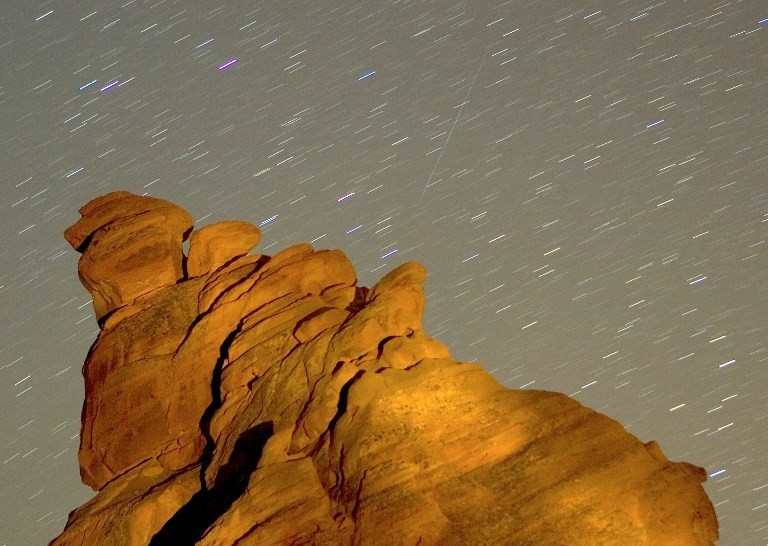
238	398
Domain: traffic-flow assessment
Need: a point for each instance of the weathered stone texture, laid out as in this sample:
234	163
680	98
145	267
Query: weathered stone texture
218	244
131	246
270	400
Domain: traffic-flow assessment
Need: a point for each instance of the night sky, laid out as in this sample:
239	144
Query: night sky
586	183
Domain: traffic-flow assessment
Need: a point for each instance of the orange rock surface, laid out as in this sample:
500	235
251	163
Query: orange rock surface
270	400
131	246
217	244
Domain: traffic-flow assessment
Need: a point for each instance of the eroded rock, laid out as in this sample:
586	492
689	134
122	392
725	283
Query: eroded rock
218	244
130	245
270	400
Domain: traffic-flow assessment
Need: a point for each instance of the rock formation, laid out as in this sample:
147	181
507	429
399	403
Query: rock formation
237	398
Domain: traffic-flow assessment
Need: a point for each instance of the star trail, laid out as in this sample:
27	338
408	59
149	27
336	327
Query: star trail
586	184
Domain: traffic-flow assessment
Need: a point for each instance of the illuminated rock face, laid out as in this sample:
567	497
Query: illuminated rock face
130	247
269	400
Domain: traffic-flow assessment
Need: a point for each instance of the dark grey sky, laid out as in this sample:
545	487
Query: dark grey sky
585	182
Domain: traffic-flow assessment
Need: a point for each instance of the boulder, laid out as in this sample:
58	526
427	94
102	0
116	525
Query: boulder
218	244
131	246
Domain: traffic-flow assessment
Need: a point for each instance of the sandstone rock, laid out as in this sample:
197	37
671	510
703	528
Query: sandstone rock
133	508
218	244
131	246
128	413
273	401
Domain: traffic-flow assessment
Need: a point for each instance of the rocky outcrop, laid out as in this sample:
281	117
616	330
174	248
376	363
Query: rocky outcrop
247	399
130	247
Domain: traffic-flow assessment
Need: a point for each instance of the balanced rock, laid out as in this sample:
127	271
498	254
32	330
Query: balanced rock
131	246
270	400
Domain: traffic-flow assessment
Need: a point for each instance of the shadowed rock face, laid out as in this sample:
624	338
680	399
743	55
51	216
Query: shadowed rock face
264	400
